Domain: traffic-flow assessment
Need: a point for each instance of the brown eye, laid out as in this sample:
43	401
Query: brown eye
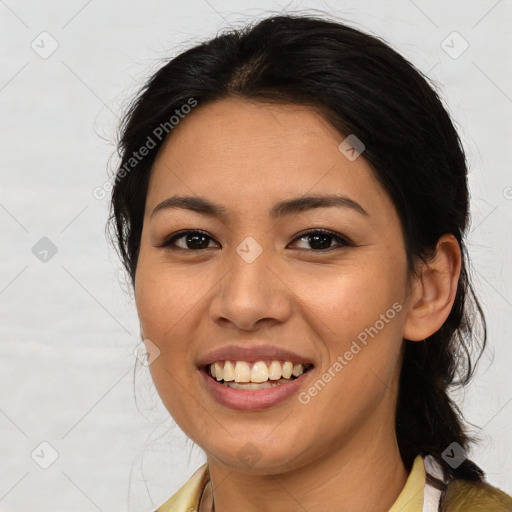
197	240
192	240
321	240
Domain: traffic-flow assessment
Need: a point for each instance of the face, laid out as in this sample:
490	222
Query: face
271	270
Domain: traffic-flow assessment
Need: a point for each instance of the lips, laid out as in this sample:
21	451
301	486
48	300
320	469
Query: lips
253	399
252	354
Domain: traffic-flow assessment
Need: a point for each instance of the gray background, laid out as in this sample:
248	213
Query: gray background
68	324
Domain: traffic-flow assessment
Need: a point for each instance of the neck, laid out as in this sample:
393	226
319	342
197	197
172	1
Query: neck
367	475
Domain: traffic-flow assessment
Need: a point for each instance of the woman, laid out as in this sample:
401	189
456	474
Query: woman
291	206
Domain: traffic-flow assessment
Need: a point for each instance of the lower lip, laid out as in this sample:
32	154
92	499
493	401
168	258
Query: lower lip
254	399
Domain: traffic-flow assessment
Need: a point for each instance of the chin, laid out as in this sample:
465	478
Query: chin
254	455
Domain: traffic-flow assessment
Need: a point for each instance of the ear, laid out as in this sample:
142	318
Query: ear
433	292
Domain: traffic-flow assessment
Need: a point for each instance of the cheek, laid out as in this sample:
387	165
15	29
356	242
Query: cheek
162	305
162	298
348	299
356	310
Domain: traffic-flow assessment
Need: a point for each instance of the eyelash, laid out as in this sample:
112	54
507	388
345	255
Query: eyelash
168	243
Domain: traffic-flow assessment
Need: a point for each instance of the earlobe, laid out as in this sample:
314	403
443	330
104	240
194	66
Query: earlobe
433	292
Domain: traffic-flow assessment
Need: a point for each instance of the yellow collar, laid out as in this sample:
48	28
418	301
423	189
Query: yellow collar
411	497
187	498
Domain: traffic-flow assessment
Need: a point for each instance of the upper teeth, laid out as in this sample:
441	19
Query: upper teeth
260	371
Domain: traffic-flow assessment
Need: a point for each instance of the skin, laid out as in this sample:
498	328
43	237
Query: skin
339	451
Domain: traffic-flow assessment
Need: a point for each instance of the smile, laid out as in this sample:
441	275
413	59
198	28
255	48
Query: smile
242	385
260	372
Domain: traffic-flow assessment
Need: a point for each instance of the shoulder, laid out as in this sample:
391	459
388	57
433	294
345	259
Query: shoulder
466	496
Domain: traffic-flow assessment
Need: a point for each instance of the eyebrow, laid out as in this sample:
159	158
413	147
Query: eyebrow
281	209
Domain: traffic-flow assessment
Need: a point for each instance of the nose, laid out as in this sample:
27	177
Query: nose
252	294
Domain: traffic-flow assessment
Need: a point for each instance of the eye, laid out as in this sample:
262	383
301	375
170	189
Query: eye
320	240
193	240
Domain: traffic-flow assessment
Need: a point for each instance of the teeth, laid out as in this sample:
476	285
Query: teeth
217	371
242	372
298	369
228	372
258	372
274	370
287	370
255	385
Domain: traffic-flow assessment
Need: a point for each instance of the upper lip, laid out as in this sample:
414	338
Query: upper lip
251	354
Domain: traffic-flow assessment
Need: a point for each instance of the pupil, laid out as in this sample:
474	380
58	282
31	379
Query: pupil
314	241
195	238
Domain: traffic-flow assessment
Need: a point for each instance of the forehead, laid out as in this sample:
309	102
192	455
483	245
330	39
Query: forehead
242	152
